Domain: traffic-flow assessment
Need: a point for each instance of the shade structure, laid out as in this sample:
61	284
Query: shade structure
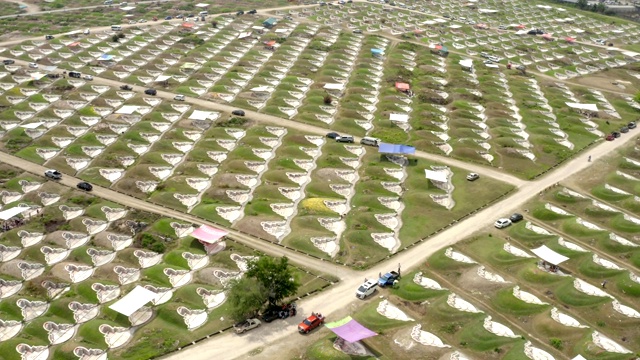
202	115
439	176
9	213
589	107
399	117
188	25
208	234
396	149
105	57
127	109
402	86
549	255
335	86
466	63
270	43
350	330
375	51
133	301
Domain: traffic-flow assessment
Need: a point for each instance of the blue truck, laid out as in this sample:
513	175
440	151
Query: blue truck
388	279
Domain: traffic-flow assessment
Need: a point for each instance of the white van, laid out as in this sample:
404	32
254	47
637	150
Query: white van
87	31
204	13
366	289
116	28
371	141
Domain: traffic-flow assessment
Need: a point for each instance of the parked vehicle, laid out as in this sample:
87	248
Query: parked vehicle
631	125
502	223
48	37
333	135
33	65
8	62
75	74
53	174
357	31
616	134
345	139
84	186
388	279
246	325
278	312
179	98
239	13
116	28
367	288
516	217
238	112
371	141
310	323
88	77
168	18
151	92
473	177
624	129
610	137
125	87
254	11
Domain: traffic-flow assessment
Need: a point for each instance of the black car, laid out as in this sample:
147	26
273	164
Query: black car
125	87
274	312
190	15
151	92
516	217
624	129
8	62
254	11
615	134
240	13
333	135
631	125
85	186
238	112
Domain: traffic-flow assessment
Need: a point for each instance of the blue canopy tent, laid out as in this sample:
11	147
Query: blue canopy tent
377	52
385	148
105	57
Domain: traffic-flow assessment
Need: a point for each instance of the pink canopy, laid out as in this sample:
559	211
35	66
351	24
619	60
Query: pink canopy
208	234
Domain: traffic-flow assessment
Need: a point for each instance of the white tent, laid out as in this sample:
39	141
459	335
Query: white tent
399	117
244	34
590	107
440	20
455	26
493	66
127	8
334	86
202	115
521	32
278	31
163	78
549	255
439	176
127	109
202	5
257	28
9	213
487	11
32	125
133	301
466	63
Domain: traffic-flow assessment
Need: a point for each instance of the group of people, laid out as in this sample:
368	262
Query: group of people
12	223
550	267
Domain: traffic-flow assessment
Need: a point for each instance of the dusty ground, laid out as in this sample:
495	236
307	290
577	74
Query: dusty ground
603	80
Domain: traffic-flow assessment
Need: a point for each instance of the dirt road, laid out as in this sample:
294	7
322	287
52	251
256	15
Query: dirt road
30	8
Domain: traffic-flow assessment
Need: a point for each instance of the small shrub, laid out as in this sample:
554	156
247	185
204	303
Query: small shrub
556	343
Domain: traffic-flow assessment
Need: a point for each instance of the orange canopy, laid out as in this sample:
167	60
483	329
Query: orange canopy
270	43
187	25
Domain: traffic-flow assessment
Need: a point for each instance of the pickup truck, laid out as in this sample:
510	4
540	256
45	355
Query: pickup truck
310	323
388	279
246	325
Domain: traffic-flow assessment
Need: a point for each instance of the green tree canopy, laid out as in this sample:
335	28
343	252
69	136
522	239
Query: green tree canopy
246	296
274	275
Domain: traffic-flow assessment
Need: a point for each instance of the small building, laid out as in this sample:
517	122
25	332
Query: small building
270	22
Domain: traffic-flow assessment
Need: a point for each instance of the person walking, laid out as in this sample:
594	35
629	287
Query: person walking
589	158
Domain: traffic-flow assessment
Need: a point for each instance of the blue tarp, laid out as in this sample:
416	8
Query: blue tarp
396	149
106	57
377	51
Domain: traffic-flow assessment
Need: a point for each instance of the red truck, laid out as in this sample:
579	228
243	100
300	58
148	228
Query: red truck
310	323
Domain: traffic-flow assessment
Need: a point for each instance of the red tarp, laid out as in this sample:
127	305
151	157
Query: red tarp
74	44
570	39
402	86
208	234
547	37
270	43
187	25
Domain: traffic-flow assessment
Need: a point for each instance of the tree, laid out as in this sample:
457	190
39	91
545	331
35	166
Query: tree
328	99
214	24
274	275
246	296
582	4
